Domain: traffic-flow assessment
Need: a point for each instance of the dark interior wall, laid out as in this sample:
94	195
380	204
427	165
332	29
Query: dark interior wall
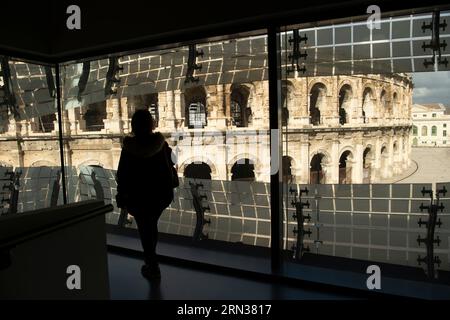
25	27
111	26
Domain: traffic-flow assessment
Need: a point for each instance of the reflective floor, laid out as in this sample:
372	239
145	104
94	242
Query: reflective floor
179	283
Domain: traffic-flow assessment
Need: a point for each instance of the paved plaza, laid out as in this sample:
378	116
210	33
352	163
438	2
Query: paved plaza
433	165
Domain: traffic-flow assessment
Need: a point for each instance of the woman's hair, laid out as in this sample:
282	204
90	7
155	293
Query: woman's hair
142	123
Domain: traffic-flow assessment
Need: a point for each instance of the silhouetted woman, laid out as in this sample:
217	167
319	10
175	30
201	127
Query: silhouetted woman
144	183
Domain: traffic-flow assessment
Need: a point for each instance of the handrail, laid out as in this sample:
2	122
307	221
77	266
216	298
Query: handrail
51	227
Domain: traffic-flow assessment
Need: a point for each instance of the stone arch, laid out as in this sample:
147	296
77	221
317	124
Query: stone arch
197	159
287	167
316	170
245	155
90	162
368	104
239	108
384	153
368	161
317	102
385	104
345	167
243	170
287	100
345	103
44	163
395	146
196	170
347	148
195	106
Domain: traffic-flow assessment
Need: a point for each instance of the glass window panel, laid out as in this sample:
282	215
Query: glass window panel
215	119
365	189
30	168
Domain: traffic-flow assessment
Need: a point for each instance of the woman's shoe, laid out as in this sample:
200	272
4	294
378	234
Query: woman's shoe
151	272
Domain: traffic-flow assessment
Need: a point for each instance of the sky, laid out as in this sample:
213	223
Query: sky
432	87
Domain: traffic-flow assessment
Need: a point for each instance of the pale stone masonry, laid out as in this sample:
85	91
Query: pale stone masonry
431	123
338	129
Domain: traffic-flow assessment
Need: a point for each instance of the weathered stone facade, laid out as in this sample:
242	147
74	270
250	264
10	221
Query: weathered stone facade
339	129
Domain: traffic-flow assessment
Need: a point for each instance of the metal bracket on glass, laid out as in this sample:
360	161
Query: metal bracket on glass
7	97
432	209
112	76
200	209
12	185
296	54
300	232
435	44
82	82
192	64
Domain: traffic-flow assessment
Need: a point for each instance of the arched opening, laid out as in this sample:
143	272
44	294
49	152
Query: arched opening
415	142
243	170
317	175
287	170
345	96
93	175
414	130
195	107
316	103
367	164
384	102
46	123
197	171
367	105
287	91
240	112
395	103
424	131
434	131
145	102
94	116
345	168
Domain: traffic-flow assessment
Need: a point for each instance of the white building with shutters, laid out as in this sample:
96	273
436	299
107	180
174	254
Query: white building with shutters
431	125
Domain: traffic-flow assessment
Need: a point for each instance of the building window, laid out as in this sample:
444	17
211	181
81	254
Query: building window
445	125
196	115
434	115
46	123
240	112
415	115
433	130
424	131
414	131
444	133
195	107
444	142
317	102
94	116
155	115
424	115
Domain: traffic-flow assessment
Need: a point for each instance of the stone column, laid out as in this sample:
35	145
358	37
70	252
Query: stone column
357	163
220	106
333	165
169	114
125	116
178	104
113	123
303	170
